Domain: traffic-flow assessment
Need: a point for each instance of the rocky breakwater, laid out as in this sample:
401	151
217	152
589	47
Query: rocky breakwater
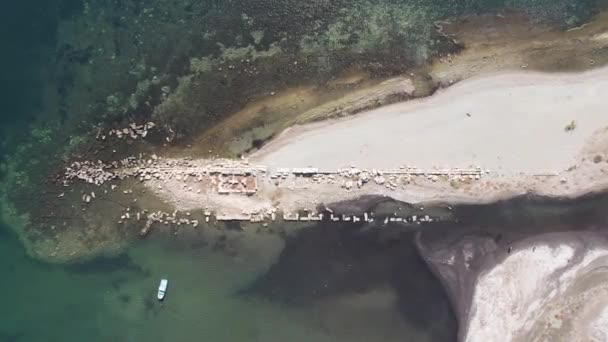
214	191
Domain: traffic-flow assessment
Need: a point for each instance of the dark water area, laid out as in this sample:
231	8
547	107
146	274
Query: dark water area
329	261
27	32
519	217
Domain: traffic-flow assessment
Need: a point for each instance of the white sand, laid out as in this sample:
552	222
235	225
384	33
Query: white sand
516	125
516	297
543	292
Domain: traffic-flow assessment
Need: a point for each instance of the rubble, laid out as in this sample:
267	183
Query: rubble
239	177
134	131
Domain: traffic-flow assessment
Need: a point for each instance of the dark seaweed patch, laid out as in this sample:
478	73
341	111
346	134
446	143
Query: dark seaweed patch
103	264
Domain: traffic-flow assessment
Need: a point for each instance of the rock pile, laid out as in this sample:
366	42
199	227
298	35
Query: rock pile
157	216
133	131
90	172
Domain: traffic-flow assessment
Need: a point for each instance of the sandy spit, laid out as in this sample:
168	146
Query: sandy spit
510	124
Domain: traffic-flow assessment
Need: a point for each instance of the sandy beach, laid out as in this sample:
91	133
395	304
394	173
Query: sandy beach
509	123
512	125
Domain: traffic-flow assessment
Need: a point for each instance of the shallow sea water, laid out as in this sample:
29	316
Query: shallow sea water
114	299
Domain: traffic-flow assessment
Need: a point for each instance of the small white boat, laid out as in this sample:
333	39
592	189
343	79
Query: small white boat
162	289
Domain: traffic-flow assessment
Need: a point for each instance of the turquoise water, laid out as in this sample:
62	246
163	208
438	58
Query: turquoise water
114	299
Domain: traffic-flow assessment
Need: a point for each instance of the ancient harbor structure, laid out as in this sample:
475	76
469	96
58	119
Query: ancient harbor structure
241	179
270	216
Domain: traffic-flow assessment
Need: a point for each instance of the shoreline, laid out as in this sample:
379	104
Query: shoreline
472	125
572	157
